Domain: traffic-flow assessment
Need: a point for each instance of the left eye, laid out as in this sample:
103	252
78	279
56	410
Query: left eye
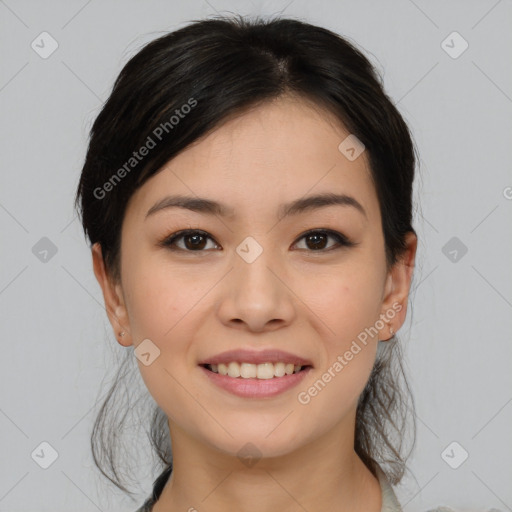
318	237
196	240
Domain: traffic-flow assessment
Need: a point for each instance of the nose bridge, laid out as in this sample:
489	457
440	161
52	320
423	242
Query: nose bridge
252	266
255	294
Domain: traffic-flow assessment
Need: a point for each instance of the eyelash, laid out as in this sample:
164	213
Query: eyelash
342	240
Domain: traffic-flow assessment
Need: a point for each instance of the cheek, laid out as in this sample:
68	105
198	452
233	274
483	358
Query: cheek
159	297
163	307
348	300
349	307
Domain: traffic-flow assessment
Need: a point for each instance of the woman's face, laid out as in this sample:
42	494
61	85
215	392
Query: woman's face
257	280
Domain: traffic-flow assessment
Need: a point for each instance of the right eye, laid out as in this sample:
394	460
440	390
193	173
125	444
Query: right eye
194	240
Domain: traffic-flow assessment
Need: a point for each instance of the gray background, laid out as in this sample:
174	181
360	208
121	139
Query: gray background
57	344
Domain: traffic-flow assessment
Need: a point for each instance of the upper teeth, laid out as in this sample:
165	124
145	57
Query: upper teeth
258	371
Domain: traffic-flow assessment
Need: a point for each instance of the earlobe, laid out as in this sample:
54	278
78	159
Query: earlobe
113	297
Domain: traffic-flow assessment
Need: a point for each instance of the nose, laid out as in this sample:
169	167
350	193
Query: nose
256	296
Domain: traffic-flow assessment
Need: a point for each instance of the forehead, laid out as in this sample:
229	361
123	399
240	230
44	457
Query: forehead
269	155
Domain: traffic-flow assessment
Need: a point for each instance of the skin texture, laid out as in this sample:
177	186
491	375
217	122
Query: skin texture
295	297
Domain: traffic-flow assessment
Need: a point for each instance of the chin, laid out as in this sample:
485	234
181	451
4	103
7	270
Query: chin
254	445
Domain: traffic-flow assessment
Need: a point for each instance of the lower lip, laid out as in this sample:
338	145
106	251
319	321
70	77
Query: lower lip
256	388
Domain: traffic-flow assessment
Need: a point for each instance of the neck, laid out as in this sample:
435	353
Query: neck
324	475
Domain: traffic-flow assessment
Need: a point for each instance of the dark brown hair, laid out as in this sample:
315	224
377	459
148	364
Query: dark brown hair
184	84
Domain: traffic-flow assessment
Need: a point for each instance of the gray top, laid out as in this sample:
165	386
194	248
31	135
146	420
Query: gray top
389	500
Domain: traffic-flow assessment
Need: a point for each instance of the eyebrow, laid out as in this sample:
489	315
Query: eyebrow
210	207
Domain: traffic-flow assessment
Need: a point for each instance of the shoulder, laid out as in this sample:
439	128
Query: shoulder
444	508
390	502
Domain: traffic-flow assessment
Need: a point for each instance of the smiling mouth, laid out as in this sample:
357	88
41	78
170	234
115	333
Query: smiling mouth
263	371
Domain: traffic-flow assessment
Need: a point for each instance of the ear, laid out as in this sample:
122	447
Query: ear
396	289
113	297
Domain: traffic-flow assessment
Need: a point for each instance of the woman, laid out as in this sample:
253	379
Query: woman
247	193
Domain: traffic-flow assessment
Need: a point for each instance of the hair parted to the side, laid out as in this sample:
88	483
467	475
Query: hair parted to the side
228	65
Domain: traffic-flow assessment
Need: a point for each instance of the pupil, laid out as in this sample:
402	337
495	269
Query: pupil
316	243
194	244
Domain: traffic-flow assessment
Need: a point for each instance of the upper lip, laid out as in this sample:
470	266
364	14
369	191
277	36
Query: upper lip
256	357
